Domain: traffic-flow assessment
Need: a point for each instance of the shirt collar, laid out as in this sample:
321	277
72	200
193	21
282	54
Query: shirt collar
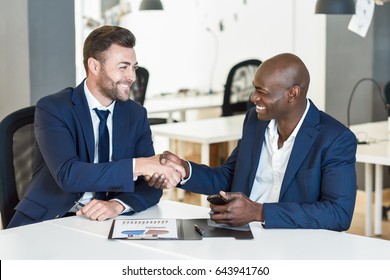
273	128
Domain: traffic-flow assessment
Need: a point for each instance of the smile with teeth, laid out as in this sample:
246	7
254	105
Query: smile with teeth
260	107
125	85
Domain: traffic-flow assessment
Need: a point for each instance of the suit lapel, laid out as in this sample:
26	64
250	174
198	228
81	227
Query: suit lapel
120	128
302	145
256	151
84	116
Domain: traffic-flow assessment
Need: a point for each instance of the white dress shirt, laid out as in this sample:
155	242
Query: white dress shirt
273	163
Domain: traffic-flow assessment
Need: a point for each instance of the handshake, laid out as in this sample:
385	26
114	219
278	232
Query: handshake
163	171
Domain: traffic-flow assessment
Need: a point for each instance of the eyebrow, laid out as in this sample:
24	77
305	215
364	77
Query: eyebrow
260	88
128	63
257	87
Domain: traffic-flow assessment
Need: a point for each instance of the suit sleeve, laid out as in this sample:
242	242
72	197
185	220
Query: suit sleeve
208	180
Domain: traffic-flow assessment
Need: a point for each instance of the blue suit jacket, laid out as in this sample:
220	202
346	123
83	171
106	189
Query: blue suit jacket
64	167
319	186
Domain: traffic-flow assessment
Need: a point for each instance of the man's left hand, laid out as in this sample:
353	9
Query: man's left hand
239	211
101	210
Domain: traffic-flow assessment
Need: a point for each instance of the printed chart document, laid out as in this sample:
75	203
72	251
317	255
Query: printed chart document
144	229
174	229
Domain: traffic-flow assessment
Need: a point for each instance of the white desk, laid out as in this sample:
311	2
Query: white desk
374	155
181	103
204	132
80	238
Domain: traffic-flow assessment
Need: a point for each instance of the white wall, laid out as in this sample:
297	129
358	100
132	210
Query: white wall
84	10
177	48
183	46
14	57
310	46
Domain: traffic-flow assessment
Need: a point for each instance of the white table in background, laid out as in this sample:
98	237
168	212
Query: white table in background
204	132
79	238
374	155
172	103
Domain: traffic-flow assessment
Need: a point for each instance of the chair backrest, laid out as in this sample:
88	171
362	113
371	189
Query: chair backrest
138	92
387	95
17	143
238	87
138	89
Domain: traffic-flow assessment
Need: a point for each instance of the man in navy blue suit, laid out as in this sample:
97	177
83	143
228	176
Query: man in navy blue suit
294	166
68	175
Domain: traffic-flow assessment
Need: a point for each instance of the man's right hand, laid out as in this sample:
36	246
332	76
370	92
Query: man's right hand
166	158
158	181
171	173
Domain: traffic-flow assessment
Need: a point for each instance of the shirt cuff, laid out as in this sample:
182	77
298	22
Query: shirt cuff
134	177
182	182
127	207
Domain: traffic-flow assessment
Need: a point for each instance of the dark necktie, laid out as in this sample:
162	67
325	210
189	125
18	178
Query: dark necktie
104	139
103	144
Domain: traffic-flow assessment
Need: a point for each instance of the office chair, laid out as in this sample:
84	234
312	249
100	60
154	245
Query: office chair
386	209
386	92
138	89
238	88
138	92
17	143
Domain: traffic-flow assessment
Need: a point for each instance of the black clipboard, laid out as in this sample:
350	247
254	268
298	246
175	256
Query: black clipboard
212	231
186	231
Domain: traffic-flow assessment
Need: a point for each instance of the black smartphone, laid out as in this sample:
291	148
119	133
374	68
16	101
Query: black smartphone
217	199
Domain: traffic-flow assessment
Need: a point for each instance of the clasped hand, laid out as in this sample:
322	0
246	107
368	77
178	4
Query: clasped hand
239	211
160	172
168	159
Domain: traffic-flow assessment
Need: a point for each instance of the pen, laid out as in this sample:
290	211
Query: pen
79	204
199	230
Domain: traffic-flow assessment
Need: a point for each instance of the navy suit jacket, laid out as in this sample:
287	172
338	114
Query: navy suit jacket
64	168
319	186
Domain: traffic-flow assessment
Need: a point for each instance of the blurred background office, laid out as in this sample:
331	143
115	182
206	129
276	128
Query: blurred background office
192	44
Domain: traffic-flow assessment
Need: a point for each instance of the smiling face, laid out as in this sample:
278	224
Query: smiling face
271	94
117	73
280	86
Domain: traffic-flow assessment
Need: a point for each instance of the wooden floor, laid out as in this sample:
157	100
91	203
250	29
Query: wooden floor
358	221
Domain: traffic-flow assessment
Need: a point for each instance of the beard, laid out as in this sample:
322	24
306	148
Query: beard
113	90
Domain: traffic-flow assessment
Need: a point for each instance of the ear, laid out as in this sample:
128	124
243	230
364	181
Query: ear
93	66
294	93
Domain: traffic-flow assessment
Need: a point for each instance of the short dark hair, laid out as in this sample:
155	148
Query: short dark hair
101	39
